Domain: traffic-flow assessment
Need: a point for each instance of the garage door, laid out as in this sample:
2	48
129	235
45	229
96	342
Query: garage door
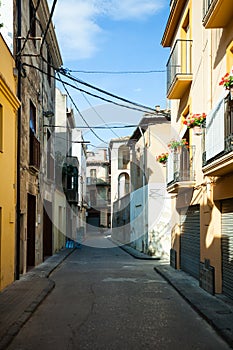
190	241
227	247
93	222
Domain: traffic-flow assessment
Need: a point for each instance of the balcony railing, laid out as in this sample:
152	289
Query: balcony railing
217	13
180	167
71	195
34	151
97	181
218	157
70	179
179	69
99	203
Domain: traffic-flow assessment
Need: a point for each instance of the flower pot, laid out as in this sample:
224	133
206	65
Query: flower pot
177	149
197	130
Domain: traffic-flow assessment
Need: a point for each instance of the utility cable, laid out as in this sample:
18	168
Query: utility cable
92	107
77	109
89	93
104	91
48	24
115	72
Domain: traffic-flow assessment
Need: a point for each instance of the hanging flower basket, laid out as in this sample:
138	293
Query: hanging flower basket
195	122
162	158
227	82
177	145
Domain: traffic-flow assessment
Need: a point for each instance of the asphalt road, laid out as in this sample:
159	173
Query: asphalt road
105	299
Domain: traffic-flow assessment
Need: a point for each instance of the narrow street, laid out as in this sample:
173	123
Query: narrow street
106	299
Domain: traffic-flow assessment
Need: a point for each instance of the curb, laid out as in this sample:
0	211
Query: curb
38	271
136	254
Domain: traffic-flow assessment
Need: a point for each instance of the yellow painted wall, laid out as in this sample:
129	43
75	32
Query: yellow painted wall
10	104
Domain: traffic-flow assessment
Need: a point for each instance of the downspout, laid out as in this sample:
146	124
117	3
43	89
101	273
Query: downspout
18	65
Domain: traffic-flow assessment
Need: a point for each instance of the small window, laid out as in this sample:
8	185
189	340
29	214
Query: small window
32	121
32	21
1	128
93	173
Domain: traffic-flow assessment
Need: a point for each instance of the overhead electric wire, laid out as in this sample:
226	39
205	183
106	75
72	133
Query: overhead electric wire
89	93
104	91
98	127
92	107
80	114
116	72
48	24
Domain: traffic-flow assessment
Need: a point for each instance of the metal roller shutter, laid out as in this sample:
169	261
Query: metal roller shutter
190	241
227	247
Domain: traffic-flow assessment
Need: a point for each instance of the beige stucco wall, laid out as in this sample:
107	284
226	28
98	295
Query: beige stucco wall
211	59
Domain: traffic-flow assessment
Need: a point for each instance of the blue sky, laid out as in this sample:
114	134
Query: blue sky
114	35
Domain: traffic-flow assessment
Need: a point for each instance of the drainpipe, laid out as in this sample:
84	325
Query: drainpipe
143	191
18	65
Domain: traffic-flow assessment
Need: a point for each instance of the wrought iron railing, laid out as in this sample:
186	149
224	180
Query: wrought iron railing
180	61
225	116
206	6
97	181
180	165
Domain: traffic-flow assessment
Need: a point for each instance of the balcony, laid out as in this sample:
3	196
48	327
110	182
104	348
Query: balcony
218	155
180	170
34	152
176	10
179	69
217	13
97	181
72	195
70	179
99	203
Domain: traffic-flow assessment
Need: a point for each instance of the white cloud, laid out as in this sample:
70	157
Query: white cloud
132	9
78	32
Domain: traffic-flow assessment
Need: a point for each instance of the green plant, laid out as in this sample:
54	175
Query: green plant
227	81
162	158
173	144
195	120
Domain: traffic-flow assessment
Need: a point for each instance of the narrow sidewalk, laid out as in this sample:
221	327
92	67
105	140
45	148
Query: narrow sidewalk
19	300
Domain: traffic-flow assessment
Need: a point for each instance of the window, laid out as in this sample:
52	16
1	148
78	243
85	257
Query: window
93	173
123	157
1	128
93	197
50	160
32	21
34	147
123	185
32	118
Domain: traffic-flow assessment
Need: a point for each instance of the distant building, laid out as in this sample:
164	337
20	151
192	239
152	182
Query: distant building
98	190
119	151
140	203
